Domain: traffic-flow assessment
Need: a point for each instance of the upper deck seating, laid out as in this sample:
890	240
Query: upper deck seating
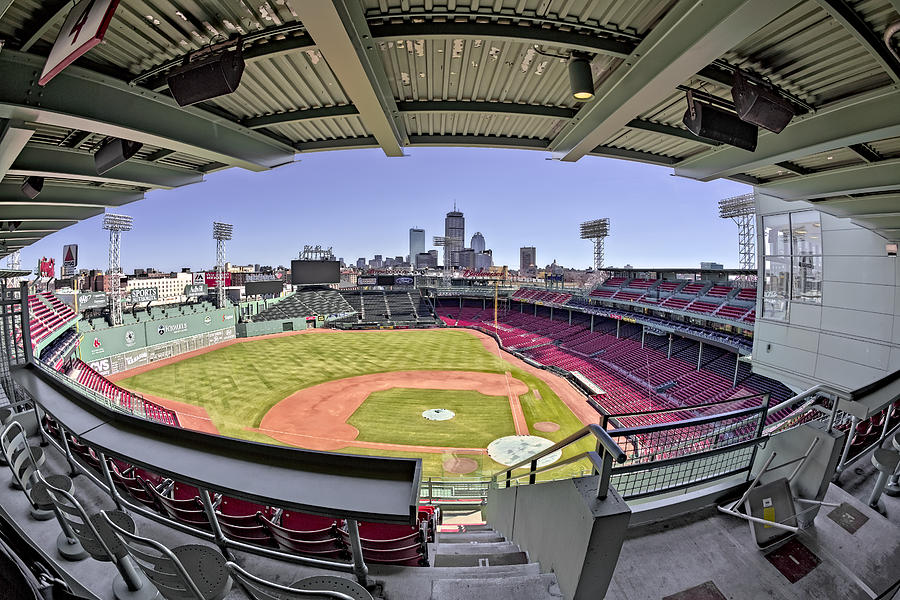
702	307
600	293
641	284
614	282
746	294
693	288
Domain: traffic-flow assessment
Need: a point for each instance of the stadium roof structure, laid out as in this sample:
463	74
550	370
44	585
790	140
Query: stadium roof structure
394	74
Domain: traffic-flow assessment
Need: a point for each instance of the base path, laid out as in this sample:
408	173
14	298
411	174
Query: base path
568	394
318	415
516	407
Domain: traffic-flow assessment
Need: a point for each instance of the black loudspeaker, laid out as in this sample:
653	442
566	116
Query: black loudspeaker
708	121
206	77
760	105
32	186
114	152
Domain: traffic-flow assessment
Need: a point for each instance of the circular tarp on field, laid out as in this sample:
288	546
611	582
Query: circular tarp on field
513	449
438	414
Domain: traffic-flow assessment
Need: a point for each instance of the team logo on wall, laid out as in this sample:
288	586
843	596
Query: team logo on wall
175	328
129	338
207	320
97	342
162	330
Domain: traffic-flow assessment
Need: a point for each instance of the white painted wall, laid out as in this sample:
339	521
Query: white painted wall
853	338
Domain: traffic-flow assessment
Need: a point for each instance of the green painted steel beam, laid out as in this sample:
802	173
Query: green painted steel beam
14	135
294	116
81	99
61	163
689	37
569	40
58	195
342	35
883	176
634	155
857	27
66	215
865	118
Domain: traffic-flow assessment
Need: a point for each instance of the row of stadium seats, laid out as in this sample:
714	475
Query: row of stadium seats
390	307
266	526
62	347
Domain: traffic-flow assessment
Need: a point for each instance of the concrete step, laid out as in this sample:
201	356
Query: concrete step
477	548
480	560
406	583
486	537
532	587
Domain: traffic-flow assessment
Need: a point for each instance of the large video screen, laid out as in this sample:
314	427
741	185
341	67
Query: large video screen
253	288
315	271
385	280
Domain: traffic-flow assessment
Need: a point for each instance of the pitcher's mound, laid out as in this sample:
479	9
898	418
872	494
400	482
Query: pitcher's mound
546	426
438	414
460	466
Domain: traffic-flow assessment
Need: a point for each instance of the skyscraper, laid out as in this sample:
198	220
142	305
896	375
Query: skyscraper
477	242
455	232
416	243
527	258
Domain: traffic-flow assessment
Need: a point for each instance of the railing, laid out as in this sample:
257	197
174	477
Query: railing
664	457
602	459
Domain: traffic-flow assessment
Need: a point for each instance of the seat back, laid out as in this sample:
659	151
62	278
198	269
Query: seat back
135	486
71	511
17	453
159	564
189	511
330	588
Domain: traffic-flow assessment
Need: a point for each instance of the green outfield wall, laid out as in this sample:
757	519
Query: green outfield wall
136	344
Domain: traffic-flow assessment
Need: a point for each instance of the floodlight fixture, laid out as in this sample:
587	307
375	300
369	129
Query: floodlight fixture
222	231
737	206
581	80
115	222
594	229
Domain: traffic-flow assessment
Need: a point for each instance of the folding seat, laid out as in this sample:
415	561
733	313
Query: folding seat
305	534
188	510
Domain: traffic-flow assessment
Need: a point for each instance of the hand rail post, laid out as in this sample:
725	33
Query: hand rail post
603	487
107	476
73	470
210	510
532	477
854	421
360	570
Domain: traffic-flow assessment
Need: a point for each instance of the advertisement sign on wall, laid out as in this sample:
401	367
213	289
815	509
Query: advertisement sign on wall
195	290
404	280
144	294
367	280
210	279
88	300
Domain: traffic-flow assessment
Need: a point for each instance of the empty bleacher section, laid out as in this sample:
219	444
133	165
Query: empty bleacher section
388	308
48	317
56	353
634	376
312	301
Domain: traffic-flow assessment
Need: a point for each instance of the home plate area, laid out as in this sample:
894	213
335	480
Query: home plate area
513	449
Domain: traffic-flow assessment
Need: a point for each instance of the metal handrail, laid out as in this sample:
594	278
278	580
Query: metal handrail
607	452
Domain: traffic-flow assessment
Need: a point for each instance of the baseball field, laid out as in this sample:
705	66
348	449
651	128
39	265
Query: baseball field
442	395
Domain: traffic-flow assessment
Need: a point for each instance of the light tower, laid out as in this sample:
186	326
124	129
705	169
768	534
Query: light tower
115	224
596	231
742	210
221	233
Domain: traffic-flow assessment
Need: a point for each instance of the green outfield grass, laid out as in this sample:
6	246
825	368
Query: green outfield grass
238	384
479	419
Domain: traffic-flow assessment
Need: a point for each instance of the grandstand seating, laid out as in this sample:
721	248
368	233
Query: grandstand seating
389	307
62	347
615	281
693	288
633	378
748	294
641	284
719	291
669	286
702	307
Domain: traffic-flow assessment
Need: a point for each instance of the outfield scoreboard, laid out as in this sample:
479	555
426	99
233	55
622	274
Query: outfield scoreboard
263	288
305	272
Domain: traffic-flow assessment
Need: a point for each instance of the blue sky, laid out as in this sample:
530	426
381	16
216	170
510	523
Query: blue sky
363	203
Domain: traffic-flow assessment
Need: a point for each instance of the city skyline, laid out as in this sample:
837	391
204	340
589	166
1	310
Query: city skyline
515	198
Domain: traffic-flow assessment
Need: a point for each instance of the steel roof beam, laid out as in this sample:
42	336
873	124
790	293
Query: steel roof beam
865	118
44	21
571	40
856	26
865	152
295	116
61	163
342	35
81	99
793	168
53	195
883	176
688	38
61	215
634	155
13	137
4	5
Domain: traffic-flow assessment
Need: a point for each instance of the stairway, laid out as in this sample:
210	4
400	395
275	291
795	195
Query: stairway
475	564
